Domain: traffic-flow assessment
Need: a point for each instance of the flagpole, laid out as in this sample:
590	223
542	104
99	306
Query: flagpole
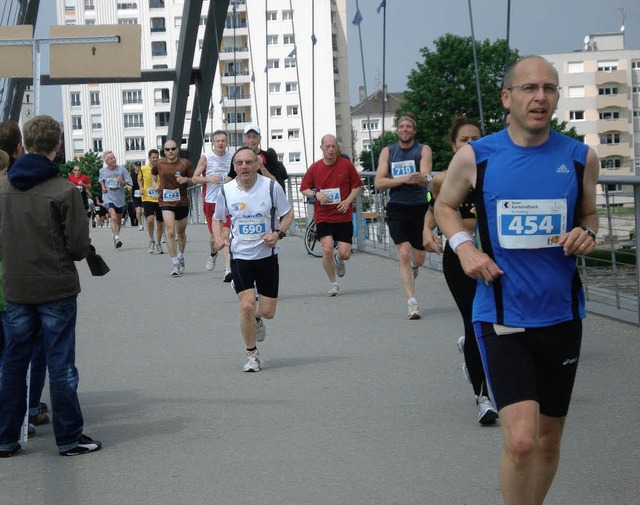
506	51
356	21
383	5
475	66
313	79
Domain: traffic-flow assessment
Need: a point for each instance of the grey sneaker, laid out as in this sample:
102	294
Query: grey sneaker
175	271
261	330
159	248
460	344
181	265
334	290
117	242
253	362
340	266
151	247
414	311
416	271
211	262
487	413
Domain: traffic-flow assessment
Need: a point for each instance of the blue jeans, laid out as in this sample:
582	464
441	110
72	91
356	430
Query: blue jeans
54	324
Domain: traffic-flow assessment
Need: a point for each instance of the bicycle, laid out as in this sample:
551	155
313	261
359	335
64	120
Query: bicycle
311	242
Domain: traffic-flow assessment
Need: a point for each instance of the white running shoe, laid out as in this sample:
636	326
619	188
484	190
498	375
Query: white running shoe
334	290
414	311
175	271
487	413
159	248
140	228
261	330
340	266
460	344
253	362
151	247
181	265
211	262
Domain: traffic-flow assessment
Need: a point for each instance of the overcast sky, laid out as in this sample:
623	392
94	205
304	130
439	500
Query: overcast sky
537	27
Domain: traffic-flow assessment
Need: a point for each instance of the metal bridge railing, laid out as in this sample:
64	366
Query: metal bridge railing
611	274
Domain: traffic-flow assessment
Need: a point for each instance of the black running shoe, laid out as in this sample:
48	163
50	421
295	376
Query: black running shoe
12	452
85	445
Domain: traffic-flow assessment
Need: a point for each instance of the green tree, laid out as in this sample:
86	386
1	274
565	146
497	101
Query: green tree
443	87
365	156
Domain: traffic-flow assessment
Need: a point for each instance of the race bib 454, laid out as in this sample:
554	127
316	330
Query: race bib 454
530	224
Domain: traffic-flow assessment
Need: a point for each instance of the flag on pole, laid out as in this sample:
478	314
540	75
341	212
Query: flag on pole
382	5
266	68
357	19
314	40
292	53
253	77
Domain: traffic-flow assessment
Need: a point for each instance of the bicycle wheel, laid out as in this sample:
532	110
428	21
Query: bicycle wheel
311	242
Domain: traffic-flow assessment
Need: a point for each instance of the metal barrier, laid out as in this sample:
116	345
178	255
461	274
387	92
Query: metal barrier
611	275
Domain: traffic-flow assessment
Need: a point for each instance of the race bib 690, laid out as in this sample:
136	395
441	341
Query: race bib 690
252	228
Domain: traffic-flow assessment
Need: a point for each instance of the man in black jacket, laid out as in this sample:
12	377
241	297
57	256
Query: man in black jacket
43	232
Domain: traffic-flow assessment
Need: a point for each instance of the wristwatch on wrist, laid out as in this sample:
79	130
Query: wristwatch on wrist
591	233
314	191
281	234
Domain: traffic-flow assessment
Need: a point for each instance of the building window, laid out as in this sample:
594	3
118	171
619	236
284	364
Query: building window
373	123
289	63
134	144
292	110
128	21
609	115
159	48
275	111
287	15
203	20
78	146
131	96
127	5
294	157
610	138
236	117
162	119
575	67
76	122
272	15
74	96
612	188
234	92
94	97
635	89
177	21
160	66
292	87
133	121
635	64
293	134
276	134
161	95
273	63
96	121
272	40
576	115
611	163
97	145
274	87
576	91
156	4
89	5
89	22
288	40
608	90
157	25
607	66
236	138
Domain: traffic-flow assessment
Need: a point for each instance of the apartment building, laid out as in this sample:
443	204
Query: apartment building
283	65
370	117
600	97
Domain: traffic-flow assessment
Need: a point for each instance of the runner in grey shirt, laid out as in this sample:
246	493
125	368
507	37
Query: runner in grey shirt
113	179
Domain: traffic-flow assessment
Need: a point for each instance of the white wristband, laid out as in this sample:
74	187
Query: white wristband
459	238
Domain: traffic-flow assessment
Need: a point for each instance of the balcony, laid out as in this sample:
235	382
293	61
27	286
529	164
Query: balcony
618	77
614	125
619	100
606	150
241	76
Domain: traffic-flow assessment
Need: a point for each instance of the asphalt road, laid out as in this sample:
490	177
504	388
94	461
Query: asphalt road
356	405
